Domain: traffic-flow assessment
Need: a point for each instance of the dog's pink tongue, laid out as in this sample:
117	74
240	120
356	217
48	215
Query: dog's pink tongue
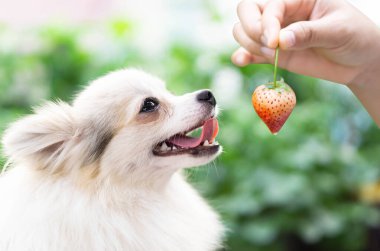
209	132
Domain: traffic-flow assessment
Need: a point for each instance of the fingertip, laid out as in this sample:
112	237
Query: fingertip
269	40
273	16
273	41
241	58
287	39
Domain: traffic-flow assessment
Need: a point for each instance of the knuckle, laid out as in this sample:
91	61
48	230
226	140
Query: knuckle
235	31
306	33
253	48
245	5
241	6
346	33
255	51
344	30
269	3
251	28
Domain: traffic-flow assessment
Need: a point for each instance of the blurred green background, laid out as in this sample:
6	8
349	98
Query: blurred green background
314	186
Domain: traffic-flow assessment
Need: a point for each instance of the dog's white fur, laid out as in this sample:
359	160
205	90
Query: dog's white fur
83	176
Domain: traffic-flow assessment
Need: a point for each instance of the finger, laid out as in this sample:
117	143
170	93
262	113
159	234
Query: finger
250	45
249	14
241	57
279	13
259	60
306	34
272	18
319	67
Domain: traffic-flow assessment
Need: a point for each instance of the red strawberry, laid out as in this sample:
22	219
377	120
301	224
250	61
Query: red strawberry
274	104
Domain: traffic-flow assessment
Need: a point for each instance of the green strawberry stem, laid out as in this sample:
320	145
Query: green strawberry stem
275	69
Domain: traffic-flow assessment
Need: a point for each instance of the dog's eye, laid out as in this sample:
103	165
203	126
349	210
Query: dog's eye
149	105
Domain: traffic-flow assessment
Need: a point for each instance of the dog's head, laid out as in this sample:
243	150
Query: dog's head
122	124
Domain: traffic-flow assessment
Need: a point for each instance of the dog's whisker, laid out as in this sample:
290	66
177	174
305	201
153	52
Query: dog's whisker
5	167
215	167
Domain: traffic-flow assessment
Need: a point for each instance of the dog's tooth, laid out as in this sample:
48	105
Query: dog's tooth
206	143
164	147
174	148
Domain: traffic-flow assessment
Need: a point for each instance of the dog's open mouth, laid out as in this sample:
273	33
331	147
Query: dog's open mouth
181	143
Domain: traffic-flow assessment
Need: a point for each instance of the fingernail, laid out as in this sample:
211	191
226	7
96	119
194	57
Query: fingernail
287	39
268	51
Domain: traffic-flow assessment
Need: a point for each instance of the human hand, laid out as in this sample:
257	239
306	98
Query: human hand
321	38
326	39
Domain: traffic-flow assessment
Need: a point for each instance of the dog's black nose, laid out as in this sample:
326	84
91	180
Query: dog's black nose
206	96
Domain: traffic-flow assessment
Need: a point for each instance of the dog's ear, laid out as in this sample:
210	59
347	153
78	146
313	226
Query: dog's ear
42	139
56	139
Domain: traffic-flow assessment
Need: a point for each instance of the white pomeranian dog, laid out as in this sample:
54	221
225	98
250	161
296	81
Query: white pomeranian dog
105	172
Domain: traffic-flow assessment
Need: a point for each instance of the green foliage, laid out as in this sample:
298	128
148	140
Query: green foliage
302	183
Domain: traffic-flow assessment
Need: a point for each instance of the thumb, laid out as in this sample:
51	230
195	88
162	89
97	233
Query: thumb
305	34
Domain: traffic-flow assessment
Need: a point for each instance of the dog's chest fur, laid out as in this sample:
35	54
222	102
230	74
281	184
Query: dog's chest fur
54	216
